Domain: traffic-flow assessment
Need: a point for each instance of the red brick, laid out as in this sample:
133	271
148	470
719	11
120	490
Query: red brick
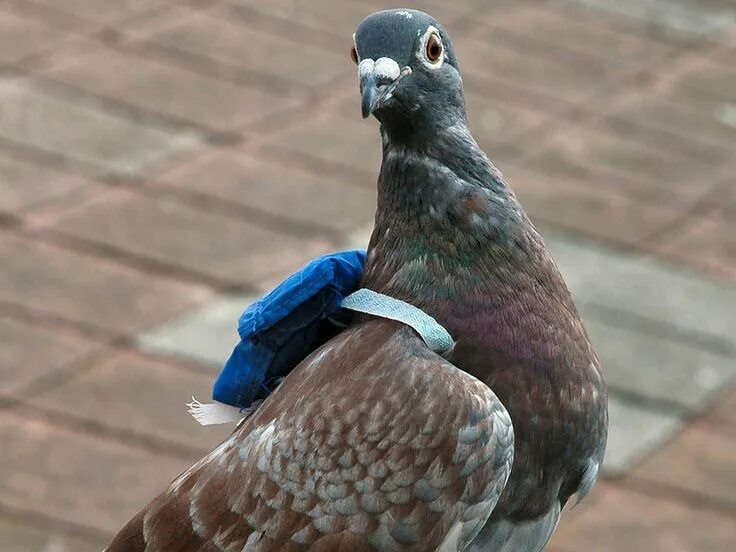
341	18
700	460
449	14
215	35
19	537
167	230
587	204
337	140
722	417
76	477
503	60
104	12
88	138
706	242
713	77
712	121
25	185
563	26
30	352
276	188
618	519
639	166
496	121
85	289
160	391
167	89
21	37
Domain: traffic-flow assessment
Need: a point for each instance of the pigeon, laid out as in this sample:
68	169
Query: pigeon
381	439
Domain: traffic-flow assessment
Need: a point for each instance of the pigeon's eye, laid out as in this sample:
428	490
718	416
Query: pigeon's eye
434	48
354	55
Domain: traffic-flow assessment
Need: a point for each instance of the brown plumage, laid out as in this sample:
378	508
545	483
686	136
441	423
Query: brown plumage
373	442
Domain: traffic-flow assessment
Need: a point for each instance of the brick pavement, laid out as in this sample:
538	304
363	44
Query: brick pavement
161	161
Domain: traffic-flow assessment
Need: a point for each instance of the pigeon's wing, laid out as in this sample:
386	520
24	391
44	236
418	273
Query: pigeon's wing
373	442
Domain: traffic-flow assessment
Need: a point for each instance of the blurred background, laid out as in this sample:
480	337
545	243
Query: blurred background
163	162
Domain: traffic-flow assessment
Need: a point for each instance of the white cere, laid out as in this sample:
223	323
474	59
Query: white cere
404	13
383	68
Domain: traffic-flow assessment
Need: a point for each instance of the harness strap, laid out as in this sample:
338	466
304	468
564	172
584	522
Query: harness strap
368	301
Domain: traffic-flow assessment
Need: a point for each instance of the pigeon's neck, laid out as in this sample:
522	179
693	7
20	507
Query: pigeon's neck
448	231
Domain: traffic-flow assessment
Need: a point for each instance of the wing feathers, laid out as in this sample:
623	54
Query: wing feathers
373	442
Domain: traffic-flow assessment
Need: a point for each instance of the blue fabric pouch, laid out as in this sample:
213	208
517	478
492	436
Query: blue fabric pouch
281	329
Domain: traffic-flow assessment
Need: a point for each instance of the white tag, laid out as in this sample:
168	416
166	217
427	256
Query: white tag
216	412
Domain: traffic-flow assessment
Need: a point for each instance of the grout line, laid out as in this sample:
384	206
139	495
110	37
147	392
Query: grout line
264	219
148	49
76	94
336	168
665	407
652	30
619	318
611	242
73	93
675	141
521	95
632	77
710	418
49	159
44	522
157	189
708	203
276	121
63	374
31	315
80	366
81	29
249	17
51	16
692	499
632	187
110	342
123	257
96	428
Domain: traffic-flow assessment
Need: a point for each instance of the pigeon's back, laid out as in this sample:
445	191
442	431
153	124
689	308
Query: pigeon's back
374	442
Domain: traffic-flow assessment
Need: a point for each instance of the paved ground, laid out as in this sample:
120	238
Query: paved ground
161	162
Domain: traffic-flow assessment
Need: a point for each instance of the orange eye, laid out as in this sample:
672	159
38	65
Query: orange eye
354	55
434	48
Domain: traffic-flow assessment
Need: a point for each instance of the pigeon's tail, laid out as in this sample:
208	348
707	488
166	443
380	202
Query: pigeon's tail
508	536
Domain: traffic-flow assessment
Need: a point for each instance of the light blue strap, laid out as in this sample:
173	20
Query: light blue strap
368	301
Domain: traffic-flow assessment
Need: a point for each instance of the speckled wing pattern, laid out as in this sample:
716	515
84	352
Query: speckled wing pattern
374	442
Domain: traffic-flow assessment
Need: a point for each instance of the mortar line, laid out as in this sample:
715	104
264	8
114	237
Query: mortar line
709	202
101	430
44	522
687	497
107	340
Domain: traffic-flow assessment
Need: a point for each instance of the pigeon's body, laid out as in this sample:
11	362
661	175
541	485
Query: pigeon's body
374	442
451	238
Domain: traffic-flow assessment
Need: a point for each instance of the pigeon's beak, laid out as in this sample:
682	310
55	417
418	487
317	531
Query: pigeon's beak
377	82
369	94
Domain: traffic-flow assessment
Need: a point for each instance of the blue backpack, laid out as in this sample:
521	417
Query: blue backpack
285	326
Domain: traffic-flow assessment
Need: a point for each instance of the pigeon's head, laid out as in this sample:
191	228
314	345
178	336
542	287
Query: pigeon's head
408	71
